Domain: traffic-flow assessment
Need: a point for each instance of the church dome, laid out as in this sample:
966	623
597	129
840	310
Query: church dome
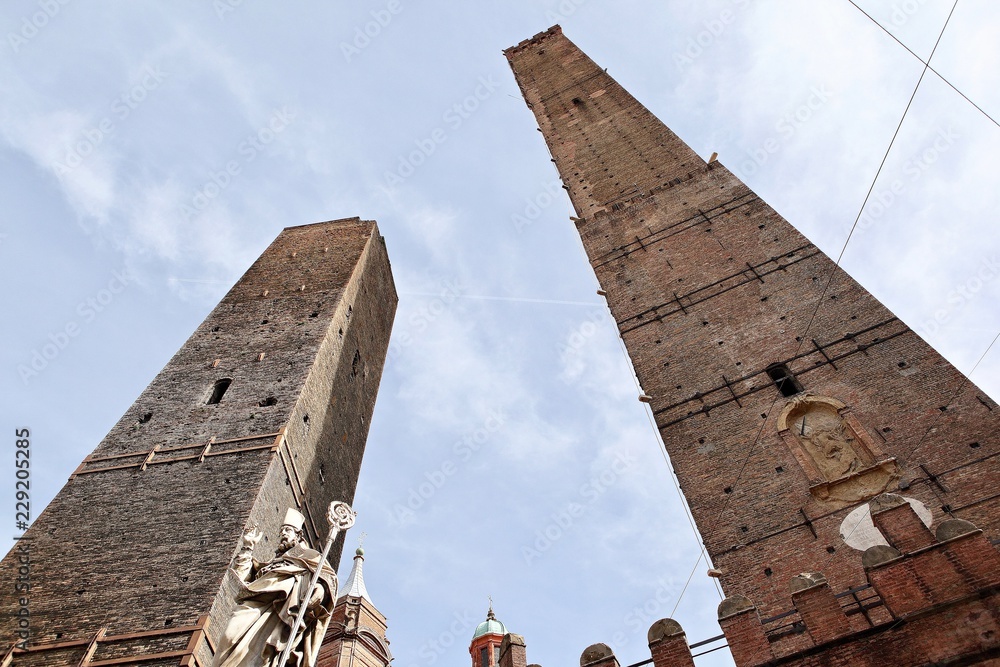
491	626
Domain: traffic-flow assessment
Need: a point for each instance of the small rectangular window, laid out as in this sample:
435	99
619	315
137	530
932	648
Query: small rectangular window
484	657
219	390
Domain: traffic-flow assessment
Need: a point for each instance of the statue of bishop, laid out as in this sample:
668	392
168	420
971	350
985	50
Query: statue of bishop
272	593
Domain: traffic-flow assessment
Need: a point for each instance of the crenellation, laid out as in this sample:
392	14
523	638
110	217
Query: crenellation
512	651
668	644
598	655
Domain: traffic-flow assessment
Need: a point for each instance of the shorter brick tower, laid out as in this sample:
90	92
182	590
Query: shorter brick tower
266	407
356	635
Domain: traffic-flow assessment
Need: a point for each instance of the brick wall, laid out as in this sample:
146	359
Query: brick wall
710	287
131	547
941	604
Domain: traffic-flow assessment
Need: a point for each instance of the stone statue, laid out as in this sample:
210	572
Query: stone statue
271	596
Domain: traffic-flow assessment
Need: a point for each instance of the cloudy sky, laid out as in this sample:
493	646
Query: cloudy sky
151	150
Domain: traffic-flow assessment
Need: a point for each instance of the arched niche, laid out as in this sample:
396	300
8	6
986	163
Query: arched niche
841	460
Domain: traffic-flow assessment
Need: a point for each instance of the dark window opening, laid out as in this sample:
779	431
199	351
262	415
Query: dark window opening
784	380
484	657
356	363
219	390
270	400
145	418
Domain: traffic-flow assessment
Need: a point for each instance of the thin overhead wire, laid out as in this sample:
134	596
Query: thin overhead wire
660	445
966	380
833	271
926	63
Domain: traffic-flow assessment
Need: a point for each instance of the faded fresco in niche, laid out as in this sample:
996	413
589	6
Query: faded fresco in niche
827	438
839	457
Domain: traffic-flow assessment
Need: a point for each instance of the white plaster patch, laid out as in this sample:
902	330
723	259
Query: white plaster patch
859	532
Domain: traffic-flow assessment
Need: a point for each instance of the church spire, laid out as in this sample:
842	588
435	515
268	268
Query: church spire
355	584
356	635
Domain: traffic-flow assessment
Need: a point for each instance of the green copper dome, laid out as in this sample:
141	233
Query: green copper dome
491	626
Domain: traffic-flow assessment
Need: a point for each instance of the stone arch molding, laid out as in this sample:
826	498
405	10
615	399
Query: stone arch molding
842	462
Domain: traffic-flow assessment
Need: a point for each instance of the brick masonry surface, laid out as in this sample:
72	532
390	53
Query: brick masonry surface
131	547
710	287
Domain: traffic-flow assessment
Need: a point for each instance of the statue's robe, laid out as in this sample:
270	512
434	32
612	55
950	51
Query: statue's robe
258	630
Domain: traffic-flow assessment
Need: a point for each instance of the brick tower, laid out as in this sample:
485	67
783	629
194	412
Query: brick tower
786	395
265	407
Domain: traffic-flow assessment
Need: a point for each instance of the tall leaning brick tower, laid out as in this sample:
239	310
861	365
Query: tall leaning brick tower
780	426
265	407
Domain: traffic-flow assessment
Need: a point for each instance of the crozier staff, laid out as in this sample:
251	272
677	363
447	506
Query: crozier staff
273	593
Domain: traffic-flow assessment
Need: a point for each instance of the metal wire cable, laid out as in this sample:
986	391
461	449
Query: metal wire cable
661	446
939	75
966	380
833	271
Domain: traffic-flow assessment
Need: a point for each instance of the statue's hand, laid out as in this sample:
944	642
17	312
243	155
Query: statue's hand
317	598
250	538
